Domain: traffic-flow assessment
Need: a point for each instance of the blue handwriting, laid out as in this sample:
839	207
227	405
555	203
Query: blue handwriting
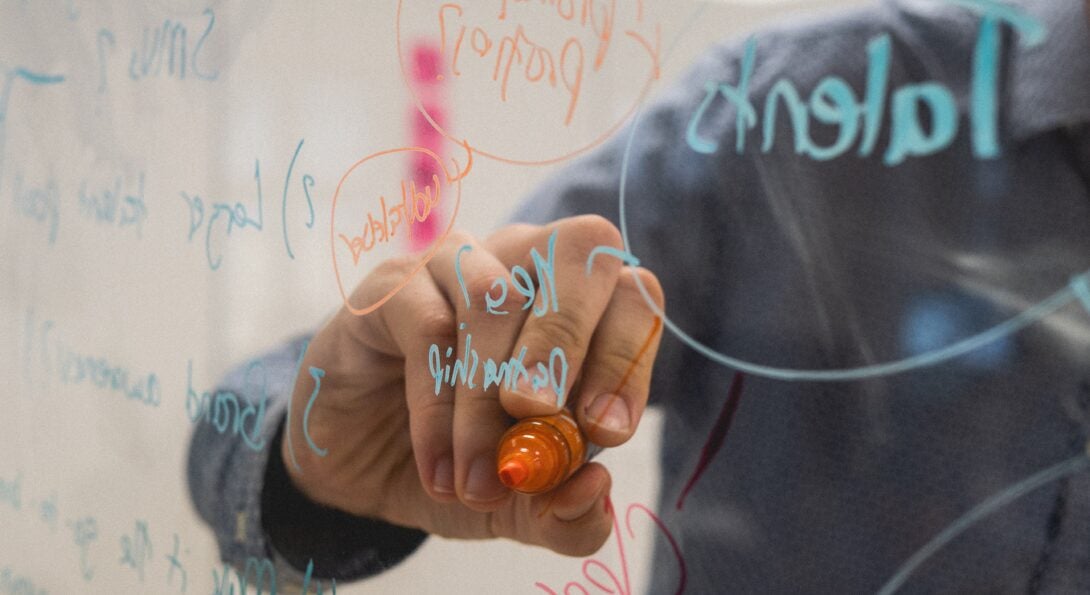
40	204
308	183
260	573
238	216
136	549
10	77
84	533
833	102
521	280
224	411
147	61
316	374
506	373
111	206
14	584
11	491
176	564
1078	290
73	367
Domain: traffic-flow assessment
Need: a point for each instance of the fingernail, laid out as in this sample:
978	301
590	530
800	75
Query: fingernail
483	485
542	394
609	412
443	478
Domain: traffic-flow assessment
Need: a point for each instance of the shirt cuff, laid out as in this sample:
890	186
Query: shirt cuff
340	545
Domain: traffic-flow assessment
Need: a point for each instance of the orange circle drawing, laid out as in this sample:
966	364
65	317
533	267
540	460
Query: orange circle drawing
367	309
652	75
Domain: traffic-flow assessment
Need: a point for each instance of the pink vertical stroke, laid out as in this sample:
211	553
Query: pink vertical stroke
429	88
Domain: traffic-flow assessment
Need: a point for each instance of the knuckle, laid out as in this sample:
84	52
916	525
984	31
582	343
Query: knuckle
394	266
479	285
560	329
458	238
513	231
614	360
578	541
587	232
436	325
479	417
520	229
384	276
626	283
599	228
432	410
515	301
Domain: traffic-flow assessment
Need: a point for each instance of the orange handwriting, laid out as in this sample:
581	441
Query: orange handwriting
602	29
415	207
539	65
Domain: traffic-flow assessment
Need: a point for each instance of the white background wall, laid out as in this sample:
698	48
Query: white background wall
144	298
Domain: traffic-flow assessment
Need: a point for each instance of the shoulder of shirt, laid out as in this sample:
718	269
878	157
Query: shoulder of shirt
931	41
935	44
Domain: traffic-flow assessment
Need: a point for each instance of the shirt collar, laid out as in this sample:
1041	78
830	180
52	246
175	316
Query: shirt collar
1049	83
1045	86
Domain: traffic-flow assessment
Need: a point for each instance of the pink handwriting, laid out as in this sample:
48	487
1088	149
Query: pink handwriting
605	578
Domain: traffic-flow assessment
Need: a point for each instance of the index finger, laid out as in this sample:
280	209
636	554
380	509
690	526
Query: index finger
616	378
565	309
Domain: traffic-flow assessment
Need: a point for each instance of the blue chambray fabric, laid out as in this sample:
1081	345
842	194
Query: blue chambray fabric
782	260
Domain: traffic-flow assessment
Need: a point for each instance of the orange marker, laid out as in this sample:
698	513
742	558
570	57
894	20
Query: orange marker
538	453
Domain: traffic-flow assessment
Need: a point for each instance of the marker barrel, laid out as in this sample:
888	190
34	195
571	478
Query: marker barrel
538	453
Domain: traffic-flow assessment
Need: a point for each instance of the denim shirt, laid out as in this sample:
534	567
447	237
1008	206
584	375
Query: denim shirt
902	303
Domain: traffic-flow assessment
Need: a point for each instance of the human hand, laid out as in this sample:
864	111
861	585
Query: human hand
398	451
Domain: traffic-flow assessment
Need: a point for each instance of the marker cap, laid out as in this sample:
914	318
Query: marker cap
538	453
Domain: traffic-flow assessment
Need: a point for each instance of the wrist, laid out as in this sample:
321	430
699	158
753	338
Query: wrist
339	544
